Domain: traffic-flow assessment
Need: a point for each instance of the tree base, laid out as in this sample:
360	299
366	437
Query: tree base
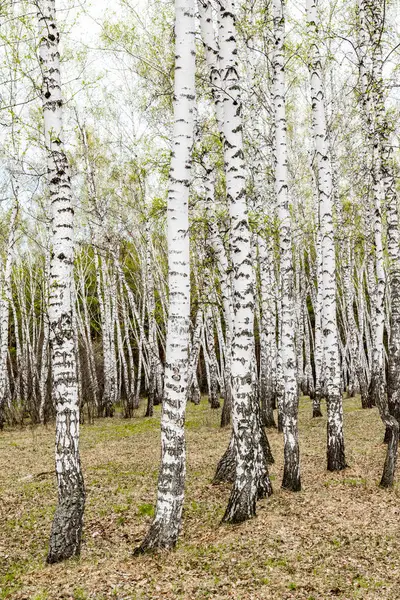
374	389
226	415
392	428
336	458
215	404
266	448
66	533
241	506
280	423
264	487
195	396
367	403
226	467
150	408
317	413
159	537
291	480
269	421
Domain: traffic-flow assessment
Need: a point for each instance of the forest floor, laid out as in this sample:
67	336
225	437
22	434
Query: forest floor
338	538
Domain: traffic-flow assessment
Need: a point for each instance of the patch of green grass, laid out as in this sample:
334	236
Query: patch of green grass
29	521
146	510
355	482
276	562
194	506
80	594
10	582
361	582
114	430
120	508
351	481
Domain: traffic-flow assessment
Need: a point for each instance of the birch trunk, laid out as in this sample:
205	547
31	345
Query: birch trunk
44	363
268	335
393	386
5	315
374	14
290	400
251	475
166	526
319	344
335	438
213	365
193	386
66	534
226	292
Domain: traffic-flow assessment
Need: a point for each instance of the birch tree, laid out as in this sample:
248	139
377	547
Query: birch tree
66	534
5	314
289	408
335	437
165	528
251	474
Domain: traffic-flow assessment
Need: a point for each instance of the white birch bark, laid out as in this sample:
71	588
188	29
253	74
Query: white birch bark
289	407
335	438
192	389
251	476
5	314
87	336
154	358
211	50
44	363
213	364
166	526
66	532
226	291
374	14
126	327
268	349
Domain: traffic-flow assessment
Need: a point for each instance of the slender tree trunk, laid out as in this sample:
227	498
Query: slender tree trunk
193	385
5	315
335	438
44	363
251	475
267	335
290	400
393	385
166	526
225	279
213	365
66	534
319	345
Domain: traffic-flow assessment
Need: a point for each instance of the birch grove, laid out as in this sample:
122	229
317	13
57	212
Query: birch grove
200	207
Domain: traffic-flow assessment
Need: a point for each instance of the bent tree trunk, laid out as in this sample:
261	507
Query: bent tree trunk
165	528
66	534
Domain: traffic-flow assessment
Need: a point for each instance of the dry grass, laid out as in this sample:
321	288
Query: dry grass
339	538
